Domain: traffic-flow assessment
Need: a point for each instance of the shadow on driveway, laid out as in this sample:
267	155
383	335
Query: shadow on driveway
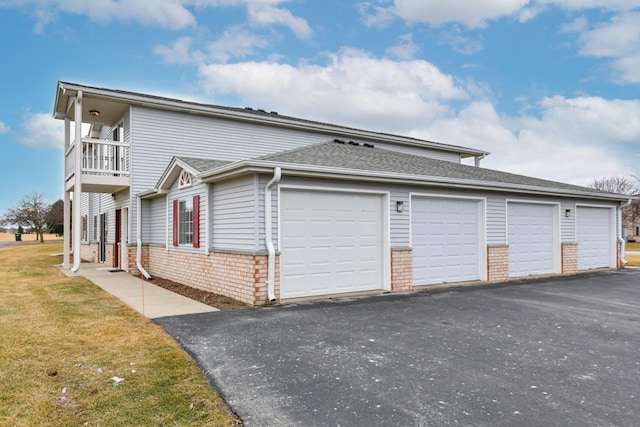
563	351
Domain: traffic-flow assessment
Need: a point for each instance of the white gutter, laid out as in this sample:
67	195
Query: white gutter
623	244
139	239
268	235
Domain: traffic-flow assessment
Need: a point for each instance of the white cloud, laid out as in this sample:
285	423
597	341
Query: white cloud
375	16
179	52
566	139
42	131
618	40
570	139
460	43
4	128
352	87
265	15
171	14
471	13
404	49
236	42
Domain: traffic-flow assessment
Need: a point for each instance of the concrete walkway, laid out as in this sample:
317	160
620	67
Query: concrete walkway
157	301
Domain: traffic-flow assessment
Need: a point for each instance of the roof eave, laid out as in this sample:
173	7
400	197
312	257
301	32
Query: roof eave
244	167
191	107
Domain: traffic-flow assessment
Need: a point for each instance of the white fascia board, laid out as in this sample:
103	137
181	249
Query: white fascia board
329	129
243	167
170	174
152	194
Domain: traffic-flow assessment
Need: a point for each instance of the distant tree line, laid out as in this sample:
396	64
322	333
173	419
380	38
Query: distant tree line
36	214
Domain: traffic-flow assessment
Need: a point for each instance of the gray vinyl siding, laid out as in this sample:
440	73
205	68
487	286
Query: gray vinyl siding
420	151
156	213
234	214
158	135
400	223
187	193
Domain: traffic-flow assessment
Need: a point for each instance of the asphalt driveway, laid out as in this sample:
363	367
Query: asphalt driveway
557	352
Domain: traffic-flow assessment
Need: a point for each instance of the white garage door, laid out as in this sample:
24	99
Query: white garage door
594	236
331	243
531	239
445	240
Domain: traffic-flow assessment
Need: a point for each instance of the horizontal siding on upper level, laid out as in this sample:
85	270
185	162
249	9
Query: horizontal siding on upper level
234	214
158	135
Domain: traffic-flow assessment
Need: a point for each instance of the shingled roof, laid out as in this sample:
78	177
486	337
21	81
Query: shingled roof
366	158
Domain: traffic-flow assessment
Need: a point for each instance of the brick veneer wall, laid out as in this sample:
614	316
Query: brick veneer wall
131	259
569	258
241	276
497	263
89	252
401	269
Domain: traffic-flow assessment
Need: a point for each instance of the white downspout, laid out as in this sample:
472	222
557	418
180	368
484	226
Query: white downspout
139	239
620	238
77	186
268	235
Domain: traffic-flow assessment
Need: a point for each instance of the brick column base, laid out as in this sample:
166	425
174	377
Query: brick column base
497	263
401	269
569	258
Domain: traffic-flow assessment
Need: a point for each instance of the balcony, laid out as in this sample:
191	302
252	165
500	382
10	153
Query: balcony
105	166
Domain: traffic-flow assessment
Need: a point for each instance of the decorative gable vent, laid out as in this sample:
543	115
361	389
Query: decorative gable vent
185	179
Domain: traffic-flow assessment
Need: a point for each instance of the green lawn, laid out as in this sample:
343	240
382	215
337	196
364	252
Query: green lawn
62	340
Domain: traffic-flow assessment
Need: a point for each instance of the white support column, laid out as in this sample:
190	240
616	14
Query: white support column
66	227
77	186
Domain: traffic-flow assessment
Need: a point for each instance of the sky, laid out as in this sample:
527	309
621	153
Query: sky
551	88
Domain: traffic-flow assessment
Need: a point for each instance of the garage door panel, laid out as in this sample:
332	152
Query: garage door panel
445	240
531	238
340	245
594	237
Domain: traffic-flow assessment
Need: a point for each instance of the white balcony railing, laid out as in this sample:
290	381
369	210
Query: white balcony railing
100	157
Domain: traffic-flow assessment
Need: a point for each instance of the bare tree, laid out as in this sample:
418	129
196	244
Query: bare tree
55	218
616	184
32	211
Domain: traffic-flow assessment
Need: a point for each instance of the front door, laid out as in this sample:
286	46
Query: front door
103	237
116	244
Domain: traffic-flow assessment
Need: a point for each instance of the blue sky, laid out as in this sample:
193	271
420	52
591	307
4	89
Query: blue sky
550	87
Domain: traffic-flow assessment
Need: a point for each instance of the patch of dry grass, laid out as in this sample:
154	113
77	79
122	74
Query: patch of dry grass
632	260
62	340
10	237
632	246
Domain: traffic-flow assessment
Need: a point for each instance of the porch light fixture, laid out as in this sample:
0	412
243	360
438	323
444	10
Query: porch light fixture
567	213
399	206
94	113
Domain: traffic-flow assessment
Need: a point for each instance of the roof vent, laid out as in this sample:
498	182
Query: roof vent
248	108
368	145
275	113
353	143
339	141
261	110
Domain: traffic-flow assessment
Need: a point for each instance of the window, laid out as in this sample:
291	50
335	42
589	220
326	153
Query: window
186	222
185	179
85	227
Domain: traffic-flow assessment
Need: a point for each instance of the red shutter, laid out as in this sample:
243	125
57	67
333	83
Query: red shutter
196	221
175	223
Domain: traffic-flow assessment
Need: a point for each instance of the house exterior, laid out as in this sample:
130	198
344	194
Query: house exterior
267	208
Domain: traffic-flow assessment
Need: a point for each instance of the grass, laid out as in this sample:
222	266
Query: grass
632	246
632	260
10	237
62	340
